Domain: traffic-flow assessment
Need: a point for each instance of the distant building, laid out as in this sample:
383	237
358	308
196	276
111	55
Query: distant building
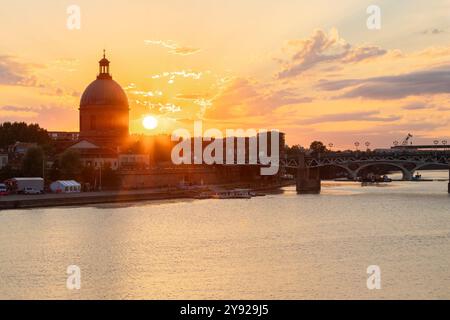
134	161
93	155
64	136
104	110
3	160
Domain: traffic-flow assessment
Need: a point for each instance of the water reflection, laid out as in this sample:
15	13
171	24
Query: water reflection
281	246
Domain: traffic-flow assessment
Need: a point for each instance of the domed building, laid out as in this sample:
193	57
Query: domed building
104	110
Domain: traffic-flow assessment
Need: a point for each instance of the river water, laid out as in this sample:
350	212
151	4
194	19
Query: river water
282	246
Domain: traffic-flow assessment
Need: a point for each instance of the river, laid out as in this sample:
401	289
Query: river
282	246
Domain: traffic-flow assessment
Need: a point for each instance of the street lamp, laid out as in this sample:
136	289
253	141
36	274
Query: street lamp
367	145
357	144
331	145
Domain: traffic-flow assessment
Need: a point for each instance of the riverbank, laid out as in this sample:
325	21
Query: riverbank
88	198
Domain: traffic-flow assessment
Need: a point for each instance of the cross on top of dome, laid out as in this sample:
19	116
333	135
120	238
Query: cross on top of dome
104	68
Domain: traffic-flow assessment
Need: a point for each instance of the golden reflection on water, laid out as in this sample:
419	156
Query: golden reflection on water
282	246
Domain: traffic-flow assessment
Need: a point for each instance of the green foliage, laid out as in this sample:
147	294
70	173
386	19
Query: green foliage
20	131
69	164
32	163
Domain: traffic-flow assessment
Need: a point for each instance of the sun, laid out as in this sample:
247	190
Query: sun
150	122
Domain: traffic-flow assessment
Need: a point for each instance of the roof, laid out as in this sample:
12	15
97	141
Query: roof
100	152
28	179
83	144
103	92
68	183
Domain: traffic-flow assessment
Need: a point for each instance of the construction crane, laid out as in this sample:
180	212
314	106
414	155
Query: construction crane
407	139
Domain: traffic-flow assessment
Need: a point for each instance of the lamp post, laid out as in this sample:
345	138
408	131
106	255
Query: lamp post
100	178
357	144
331	145
43	167
367	145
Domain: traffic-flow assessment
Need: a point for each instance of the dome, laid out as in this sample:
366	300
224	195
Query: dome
104	92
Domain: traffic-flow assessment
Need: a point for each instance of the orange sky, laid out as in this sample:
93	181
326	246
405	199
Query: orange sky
314	71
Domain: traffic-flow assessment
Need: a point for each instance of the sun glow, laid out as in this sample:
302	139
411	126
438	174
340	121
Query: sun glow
150	122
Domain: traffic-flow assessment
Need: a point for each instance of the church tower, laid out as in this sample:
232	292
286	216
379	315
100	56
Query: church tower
104	110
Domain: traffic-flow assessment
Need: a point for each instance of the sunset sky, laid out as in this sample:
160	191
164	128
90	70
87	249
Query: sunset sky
311	69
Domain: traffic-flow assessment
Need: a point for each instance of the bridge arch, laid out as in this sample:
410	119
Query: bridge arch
351	173
423	165
407	174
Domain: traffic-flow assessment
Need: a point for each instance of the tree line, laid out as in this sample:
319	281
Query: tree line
65	166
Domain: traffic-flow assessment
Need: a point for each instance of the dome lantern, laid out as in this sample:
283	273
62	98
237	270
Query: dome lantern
104	68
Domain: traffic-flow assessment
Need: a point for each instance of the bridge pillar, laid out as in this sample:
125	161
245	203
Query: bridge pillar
407	175
308	179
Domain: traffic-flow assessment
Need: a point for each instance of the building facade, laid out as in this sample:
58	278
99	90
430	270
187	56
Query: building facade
104	110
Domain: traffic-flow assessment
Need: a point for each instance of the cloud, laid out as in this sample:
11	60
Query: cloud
166	108
16	108
51	116
416	106
244	97
181	96
324	47
371	116
10	112
171	76
426	82
15	73
174	48
433	31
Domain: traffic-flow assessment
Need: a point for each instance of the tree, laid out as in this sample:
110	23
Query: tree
20	131
70	164
88	175
8	172
293	150
54	173
32	163
317	147
110	179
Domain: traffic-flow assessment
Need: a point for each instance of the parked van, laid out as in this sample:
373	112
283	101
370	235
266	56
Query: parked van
26	185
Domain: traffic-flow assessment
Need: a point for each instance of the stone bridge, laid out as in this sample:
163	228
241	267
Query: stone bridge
407	161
